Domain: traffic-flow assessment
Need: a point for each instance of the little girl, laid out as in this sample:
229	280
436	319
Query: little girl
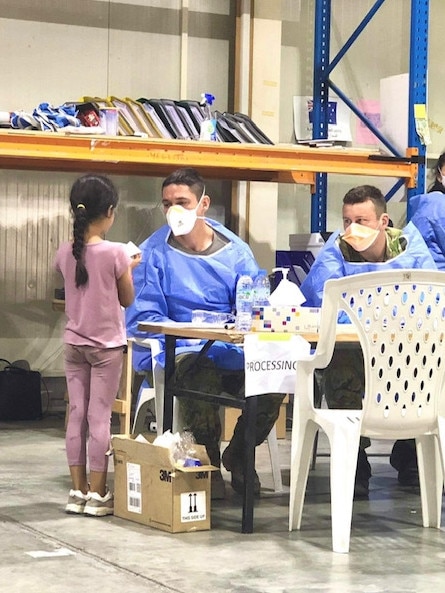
98	282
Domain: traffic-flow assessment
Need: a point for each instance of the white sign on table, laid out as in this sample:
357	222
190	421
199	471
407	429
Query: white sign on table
270	362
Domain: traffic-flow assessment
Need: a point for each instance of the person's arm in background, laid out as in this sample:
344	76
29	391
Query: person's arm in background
328	264
429	218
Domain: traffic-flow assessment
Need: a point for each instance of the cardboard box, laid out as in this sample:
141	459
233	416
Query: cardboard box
229	417
286	319
150	490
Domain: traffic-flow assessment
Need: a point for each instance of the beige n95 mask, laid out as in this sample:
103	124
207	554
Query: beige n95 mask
360	237
180	220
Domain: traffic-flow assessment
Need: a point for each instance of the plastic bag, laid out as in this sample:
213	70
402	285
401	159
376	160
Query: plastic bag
181	447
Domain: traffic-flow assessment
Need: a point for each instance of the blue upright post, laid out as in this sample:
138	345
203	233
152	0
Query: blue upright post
320	106
322	83
417	87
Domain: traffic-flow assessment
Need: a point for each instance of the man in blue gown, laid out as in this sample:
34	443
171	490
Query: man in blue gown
193	263
368	244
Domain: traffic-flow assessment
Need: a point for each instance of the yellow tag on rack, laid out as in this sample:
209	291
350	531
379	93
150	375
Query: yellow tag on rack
420	111
274	336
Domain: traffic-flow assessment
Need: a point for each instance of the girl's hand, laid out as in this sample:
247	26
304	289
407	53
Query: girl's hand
135	260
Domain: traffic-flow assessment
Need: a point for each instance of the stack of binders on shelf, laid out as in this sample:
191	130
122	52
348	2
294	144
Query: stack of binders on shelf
238	127
177	120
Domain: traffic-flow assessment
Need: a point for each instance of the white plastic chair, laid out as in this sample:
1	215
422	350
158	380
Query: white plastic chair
147	394
157	393
399	316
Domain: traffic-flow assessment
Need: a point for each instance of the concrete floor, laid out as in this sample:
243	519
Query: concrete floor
46	551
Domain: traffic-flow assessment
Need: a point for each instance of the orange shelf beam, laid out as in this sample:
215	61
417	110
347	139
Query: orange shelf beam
156	158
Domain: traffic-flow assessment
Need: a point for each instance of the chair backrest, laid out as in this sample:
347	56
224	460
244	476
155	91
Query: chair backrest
399	316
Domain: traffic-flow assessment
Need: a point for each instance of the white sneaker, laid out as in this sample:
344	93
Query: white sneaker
76	502
99	506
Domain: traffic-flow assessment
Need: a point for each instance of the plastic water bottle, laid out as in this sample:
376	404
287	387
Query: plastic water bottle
244	303
261	289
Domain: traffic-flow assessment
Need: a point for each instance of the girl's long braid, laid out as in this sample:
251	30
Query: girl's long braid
91	197
80	226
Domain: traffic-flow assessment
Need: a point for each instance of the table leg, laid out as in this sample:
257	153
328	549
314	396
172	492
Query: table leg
249	437
170	349
249	464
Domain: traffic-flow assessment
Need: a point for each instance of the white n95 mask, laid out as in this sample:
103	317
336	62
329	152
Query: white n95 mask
360	237
180	220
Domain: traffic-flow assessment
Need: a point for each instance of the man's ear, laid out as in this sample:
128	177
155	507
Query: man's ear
205	203
385	220
110	211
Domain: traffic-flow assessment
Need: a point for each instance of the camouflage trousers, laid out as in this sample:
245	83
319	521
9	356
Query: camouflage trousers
202	418
342	382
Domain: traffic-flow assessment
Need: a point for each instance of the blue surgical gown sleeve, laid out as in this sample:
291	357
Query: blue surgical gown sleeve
330	263
428	215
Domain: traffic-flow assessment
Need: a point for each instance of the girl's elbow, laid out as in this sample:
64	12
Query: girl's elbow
126	301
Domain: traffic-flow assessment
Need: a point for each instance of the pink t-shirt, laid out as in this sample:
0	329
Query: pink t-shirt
94	314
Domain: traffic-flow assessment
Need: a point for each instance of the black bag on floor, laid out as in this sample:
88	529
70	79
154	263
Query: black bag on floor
20	395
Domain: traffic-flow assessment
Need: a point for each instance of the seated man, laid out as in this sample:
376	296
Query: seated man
428	215
194	263
368	244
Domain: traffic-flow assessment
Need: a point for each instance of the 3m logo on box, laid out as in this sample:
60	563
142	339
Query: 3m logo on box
193	506
165	475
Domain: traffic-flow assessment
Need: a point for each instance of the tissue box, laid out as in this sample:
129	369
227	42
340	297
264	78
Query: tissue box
286	319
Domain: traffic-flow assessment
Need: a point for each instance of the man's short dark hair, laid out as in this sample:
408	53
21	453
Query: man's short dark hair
186	176
363	193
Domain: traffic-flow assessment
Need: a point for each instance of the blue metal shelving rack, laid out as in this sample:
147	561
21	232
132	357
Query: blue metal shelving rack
322	83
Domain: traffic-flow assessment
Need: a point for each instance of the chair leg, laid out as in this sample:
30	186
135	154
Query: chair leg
272	444
318	398
125	391
431	480
146	394
158	379
314	451
343	466
301	453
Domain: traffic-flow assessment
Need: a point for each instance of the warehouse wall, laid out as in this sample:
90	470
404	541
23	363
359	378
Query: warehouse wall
56	51
59	50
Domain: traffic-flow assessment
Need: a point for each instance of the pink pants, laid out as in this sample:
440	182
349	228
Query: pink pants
93	376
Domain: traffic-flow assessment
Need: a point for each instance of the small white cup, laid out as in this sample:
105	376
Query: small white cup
109	120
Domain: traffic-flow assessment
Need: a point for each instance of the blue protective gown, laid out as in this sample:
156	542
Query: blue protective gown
330	263
169	284
429	218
